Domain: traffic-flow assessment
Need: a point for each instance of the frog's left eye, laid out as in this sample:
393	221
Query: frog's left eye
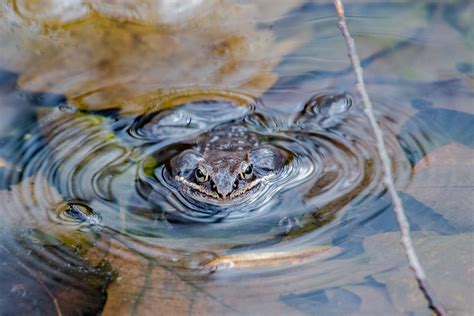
246	172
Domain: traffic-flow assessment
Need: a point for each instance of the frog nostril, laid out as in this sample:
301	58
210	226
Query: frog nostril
236	184
223	193
213	186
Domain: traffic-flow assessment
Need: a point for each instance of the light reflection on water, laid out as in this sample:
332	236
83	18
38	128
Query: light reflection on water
89	180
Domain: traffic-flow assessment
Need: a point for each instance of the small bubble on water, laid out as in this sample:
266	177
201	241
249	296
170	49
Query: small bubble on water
19	290
78	212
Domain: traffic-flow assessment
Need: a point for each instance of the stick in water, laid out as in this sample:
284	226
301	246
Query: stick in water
388	178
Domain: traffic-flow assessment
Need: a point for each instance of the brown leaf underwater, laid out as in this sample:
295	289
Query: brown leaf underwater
98	56
449	264
446	172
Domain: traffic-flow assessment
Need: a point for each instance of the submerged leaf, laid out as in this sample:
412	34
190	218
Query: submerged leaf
146	287
448	262
271	259
108	55
446	172
449	155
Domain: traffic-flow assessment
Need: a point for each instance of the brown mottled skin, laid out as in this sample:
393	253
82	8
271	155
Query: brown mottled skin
226	164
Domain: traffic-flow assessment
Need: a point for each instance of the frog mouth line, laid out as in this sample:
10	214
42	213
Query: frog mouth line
215	196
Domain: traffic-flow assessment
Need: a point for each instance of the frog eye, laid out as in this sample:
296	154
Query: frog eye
201	175
247	172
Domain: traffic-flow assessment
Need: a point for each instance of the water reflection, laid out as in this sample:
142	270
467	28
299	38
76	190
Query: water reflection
115	175
98	102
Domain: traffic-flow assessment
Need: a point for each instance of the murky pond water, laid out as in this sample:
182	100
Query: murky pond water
214	157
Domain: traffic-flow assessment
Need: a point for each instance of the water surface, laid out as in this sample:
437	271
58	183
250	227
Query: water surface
97	98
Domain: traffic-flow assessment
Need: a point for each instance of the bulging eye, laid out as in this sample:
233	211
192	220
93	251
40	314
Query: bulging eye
201	175
247	172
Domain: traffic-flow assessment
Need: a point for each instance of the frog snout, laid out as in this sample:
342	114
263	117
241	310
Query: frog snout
224	182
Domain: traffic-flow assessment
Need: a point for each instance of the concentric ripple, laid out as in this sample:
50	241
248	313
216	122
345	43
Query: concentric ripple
91	172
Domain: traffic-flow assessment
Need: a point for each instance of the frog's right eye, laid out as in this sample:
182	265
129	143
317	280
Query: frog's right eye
201	175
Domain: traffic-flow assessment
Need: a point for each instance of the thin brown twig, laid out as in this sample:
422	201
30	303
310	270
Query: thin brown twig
405	240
